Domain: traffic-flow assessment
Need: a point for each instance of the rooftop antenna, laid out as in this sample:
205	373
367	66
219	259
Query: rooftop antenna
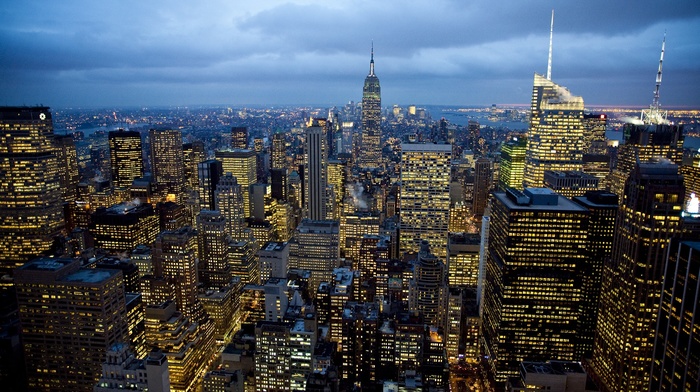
371	62
654	115
549	60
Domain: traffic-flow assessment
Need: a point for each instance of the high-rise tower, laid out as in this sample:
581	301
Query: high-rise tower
31	212
371	119
425	196
315	172
126	157
167	163
648	219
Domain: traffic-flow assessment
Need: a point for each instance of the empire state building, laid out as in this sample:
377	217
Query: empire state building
371	154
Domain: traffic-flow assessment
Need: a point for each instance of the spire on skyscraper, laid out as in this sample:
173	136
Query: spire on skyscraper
549	60
654	115
371	61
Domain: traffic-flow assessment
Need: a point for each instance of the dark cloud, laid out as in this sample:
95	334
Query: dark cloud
441	51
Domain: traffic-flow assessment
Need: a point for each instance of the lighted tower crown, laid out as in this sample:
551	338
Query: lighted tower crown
371	119
654	115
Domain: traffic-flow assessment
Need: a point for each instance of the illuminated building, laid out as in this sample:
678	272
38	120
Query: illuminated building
473	129
557	376
242	165
141	256
172	215
174	259
239	138
594	141
224	381
278	151
122	227
644	143
532	287
360	322
631	289
167	163
209	173
372	248
677	343
483	182
315	171
555	137
427	292
571	183
408	339
272	356
31	212
355	227
512	167
230	202
302	342
274	260
425	196
220	306
279	184
453	326
314	247
58	302
126	157
460	218
193	153
602	209
371	153
463	259
68	177
213	249
337	177
343	289
123	370
187	345
244	261
434	368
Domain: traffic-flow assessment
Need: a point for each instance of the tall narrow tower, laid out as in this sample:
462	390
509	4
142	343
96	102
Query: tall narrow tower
371	119
167	163
126	157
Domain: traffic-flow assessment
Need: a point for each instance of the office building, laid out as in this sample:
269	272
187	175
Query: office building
243	258
31	211
272	356
315	247
193	153
371	153
230	202
483	183
122	227
122	370
315	171
126	157
278	159
58	302
555	137
425	196
274	260
676	342
648	219
208	174
167	163
512	169
570	183
554	376
242	165
69	177
427	293
239	138
532	289
463	259
213	249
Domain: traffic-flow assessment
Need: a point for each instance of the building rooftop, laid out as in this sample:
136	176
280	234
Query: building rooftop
46	264
543	199
91	275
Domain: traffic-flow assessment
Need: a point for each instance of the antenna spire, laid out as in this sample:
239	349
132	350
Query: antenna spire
655	102
654	115
549	60
371	61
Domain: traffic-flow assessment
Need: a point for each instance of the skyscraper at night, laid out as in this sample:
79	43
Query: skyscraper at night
315	172
243	165
425	196
512	169
531	286
126	157
555	138
371	119
31	212
167	163
648	219
239	137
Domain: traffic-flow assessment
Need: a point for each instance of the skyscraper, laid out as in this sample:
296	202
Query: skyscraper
69	176
31	212
126	157
427	293
532	288
648	219
555	138
209	173
278	159
213	249
512	169
483	182
239	138
167	163
229	200
241	164
371	119
315	172
425	196
677	343
69	318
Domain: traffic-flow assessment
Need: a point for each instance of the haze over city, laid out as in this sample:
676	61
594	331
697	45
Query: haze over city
132	53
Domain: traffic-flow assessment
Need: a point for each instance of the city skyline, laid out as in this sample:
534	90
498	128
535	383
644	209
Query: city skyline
308	52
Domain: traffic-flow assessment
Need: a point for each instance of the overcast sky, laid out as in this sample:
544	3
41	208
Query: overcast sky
187	52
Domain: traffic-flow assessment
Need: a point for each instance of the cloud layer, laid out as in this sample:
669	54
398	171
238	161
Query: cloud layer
77	53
